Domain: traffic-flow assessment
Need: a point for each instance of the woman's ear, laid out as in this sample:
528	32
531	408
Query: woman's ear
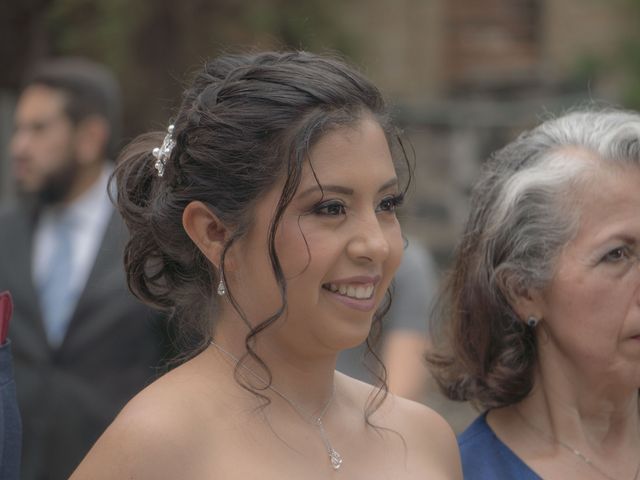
525	301
206	230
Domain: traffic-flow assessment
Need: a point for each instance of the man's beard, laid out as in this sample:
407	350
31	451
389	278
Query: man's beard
56	185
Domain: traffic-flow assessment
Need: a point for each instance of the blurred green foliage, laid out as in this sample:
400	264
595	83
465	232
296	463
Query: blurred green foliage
630	58
98	29
150	44
621	69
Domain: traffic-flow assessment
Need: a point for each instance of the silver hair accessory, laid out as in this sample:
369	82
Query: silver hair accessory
334	457
163	152
532	321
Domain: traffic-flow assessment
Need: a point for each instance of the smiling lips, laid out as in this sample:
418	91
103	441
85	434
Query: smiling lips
356	291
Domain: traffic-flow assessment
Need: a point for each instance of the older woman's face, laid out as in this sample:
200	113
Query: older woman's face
592	306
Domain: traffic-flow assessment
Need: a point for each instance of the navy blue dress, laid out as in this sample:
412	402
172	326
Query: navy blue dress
10	425
485	457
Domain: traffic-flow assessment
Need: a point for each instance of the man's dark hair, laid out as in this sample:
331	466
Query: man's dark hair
90	89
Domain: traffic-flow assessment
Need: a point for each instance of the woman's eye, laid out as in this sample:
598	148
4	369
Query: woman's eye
330	209
617	254
390	204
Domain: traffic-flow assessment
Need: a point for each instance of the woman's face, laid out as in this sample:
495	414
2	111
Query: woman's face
339	248
591	309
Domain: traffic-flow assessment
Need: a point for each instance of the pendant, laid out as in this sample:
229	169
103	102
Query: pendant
336	459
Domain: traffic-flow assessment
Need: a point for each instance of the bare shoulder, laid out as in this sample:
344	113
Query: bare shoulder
428	438
157	435
426	433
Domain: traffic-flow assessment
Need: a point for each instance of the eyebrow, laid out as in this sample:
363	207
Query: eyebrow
623	237
617	237
344	190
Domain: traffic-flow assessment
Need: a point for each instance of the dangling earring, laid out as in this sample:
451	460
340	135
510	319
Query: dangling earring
532	321
222	289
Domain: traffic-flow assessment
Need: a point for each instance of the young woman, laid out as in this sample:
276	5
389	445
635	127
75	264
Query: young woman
265	220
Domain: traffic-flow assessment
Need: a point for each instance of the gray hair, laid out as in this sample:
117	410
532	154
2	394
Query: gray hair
524	210
527	196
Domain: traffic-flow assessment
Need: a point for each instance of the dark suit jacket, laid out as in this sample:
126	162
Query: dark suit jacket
10	427
112	349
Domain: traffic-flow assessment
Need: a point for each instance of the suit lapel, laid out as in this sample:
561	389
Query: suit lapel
21	265
106	274
108	260
17	259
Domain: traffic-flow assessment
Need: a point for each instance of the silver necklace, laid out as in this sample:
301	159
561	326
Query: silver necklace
575	451
334	457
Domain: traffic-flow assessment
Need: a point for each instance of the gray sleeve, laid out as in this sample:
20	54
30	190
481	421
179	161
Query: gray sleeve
416	284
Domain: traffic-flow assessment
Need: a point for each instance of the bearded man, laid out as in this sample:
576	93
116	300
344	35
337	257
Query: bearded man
82	345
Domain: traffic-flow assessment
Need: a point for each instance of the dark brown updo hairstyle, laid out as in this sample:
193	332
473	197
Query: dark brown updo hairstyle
245	122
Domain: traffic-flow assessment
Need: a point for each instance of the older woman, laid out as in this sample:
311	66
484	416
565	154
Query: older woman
542	308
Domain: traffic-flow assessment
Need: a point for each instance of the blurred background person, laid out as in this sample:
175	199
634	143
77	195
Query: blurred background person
82	345
543	305
404	334
10	423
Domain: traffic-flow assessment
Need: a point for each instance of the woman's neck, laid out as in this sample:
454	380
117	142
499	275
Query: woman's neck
567	418
596	406
303	381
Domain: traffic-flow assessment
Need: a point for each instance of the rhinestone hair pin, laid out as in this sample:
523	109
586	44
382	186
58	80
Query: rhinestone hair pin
163	152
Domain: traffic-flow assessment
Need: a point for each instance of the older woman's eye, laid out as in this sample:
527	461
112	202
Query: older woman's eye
617	254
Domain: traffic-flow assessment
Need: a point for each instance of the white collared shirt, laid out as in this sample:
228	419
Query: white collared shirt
91	213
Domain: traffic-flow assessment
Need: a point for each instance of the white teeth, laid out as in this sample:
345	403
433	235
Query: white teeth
359	291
